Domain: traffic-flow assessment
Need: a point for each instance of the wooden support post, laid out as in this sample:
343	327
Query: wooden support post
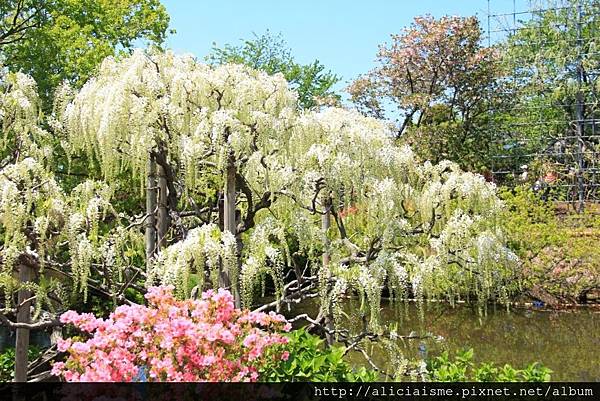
230	224
151	199
325	225
23	316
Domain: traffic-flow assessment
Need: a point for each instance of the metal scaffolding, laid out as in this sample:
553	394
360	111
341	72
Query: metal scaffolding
549	134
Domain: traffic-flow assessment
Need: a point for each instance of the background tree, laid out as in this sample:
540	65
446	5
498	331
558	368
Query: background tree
66	39
270	53
17	17
438	77
552	65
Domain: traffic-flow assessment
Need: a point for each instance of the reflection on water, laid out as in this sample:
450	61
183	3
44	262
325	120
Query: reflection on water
568	342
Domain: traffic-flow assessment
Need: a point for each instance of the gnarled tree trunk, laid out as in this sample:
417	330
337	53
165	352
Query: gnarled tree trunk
163	219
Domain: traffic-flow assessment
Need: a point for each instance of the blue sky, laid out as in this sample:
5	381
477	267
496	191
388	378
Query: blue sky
343	35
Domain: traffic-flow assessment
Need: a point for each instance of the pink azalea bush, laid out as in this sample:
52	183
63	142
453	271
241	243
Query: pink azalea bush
173	340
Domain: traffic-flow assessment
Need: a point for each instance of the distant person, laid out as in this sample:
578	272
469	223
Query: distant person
544	184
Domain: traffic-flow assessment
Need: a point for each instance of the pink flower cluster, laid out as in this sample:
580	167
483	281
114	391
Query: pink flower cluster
173	340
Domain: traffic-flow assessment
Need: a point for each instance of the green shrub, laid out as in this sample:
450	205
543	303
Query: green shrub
557	248
462	368
7	362
311	360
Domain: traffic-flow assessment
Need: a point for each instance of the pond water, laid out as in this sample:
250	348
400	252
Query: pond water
568	342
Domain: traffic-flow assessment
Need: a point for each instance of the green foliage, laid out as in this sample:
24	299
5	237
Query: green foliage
557	248
7	361
531	221
462	368
270	53
541	61
311	360
443	135
66	39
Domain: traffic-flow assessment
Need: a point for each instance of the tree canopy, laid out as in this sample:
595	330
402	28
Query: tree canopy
439	78
57	40
551	64
329	187
268	52
240	185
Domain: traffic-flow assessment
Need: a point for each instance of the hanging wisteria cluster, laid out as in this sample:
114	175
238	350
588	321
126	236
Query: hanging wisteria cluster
193	113
51	232
203	250
20	119
40	222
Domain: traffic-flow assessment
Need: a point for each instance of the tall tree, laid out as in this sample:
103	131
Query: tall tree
270	53
56	40
553	66
436	77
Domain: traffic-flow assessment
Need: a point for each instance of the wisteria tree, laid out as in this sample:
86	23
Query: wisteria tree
244	190
199	139
238	130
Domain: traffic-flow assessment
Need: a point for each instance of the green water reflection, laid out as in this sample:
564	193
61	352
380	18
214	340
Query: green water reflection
568	342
